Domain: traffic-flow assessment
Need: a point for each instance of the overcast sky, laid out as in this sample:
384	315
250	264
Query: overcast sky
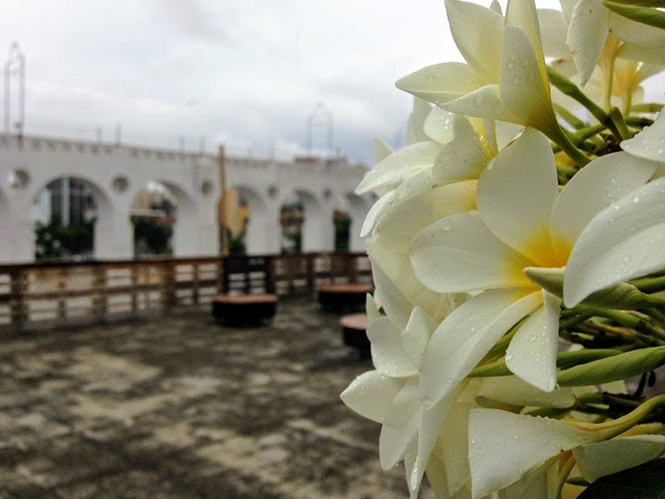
245	73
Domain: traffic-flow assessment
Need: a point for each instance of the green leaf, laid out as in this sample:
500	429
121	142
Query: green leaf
613	368
642	3
642	482
563	361
650	17
622	296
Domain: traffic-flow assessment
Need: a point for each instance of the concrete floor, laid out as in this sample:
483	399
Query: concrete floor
178	407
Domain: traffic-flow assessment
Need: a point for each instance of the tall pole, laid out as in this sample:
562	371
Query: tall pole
221	211
15	65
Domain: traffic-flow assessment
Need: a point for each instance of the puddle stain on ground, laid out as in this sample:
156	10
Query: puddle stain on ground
178	407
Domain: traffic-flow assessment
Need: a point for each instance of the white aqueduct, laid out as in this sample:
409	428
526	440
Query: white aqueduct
116	173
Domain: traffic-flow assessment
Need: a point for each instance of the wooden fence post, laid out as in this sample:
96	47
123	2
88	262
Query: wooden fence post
19	309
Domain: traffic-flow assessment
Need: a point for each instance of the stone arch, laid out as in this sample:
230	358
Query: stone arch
314	237
259	226
105	210
186	228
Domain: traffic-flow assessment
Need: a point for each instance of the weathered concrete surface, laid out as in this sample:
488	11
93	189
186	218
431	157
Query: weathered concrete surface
178	407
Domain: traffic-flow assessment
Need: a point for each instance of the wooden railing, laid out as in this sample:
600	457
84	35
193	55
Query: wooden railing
49	295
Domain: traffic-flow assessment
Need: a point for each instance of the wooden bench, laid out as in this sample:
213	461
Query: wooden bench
354	333
243	309
341	297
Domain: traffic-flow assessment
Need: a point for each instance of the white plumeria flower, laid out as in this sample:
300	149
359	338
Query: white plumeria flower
505	77
399	176
590	23
522	222
535	441
621	243
390	395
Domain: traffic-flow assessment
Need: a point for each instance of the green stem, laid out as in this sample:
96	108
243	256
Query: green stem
625	319
650	107
571	90
638	122
558	136
569	117
650	284
613	428
590	131
617	118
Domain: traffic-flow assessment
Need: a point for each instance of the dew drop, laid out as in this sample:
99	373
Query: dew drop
636	199
446	225
426	402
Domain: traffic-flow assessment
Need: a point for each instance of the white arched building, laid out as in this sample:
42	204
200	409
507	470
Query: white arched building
116	173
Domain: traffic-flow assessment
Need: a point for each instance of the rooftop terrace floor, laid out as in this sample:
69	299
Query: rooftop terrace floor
179	407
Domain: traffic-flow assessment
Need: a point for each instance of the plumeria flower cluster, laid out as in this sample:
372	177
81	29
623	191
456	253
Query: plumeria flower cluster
517	256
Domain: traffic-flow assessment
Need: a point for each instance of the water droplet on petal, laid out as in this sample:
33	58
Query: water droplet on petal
446	225
426	402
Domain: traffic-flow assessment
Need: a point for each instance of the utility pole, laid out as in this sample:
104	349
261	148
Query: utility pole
15	65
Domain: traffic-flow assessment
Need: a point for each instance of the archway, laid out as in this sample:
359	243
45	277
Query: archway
174	226
153	215
70	214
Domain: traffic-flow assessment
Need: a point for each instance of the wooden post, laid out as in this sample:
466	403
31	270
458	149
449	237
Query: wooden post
62	286
100	292
311	273
19	310
170	298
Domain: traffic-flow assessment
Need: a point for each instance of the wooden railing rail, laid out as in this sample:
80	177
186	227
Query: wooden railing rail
55	294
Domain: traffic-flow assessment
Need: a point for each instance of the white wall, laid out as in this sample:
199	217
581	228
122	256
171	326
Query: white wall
103	167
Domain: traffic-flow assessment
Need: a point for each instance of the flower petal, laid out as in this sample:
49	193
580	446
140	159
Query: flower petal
458	254
415	127
650	143
417	334
406	292
380	149
440	82
388	353
553	28
512	390
399	166
431	422
387	293
589	26
372	308
450	199
463	158
482	103
524	86
640	35
622	242
477	33
439	125
466	335
531	354
504	446
613	456
455	447
374	212
516	193
393	442
371	395
405	404
596	186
